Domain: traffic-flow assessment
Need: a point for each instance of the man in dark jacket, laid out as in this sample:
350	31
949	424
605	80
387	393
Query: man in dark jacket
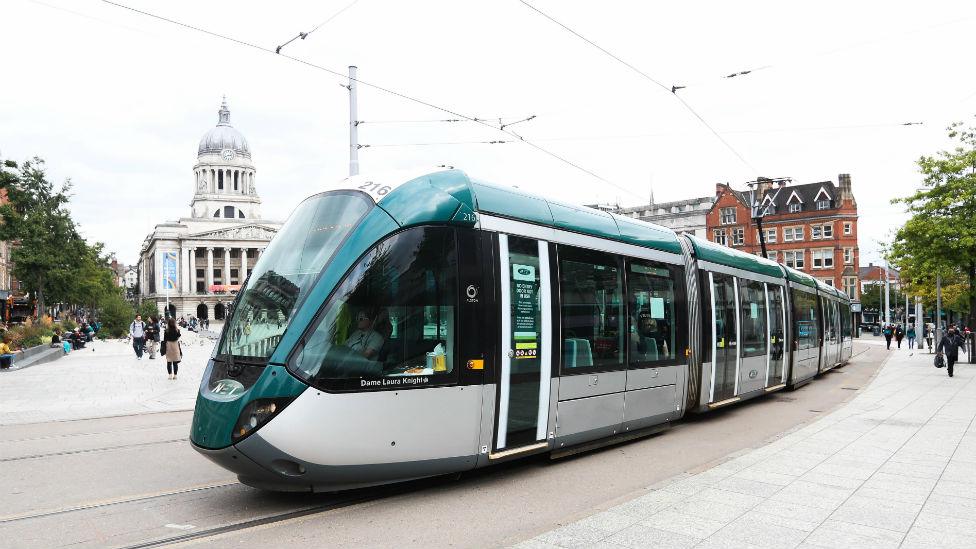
887	332
950	344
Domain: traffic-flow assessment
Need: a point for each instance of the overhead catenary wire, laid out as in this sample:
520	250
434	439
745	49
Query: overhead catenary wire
670	89
345	78
304	35
638	136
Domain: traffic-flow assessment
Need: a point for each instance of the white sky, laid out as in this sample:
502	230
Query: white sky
118	102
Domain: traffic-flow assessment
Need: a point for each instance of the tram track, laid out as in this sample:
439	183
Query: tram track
114	502
94	450
68	436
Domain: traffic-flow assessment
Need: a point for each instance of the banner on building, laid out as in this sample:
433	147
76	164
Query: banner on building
169	270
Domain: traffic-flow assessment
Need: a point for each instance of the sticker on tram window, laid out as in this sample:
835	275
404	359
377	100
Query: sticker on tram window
657	307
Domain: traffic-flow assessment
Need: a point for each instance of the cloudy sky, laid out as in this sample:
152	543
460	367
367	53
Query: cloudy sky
117	101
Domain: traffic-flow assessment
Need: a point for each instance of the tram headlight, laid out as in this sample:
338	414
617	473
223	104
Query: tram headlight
256	414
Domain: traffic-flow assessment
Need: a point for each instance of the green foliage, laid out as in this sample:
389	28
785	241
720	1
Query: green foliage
50	258
116	314
148	309
29	334
68	325
940	237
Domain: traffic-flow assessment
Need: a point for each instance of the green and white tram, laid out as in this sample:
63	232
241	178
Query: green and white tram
414	325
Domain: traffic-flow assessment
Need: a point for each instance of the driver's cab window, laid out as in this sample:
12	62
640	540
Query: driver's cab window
391	322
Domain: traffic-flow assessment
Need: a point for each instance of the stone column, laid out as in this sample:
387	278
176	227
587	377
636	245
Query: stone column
181	287
243	274
192	280
209	273
226	266
260	252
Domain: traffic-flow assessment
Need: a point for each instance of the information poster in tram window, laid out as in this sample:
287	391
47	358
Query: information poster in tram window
525	310
169	270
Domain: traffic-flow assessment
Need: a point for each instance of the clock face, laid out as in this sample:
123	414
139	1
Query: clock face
227	154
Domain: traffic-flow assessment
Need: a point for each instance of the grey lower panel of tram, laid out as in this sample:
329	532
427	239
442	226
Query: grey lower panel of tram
752	374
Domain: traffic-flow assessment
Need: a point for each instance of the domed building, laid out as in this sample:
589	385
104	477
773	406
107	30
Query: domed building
198	263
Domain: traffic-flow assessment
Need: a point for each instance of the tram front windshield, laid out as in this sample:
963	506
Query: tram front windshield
287	270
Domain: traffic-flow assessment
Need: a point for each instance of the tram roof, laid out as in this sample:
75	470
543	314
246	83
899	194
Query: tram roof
514	203
800	277
730	257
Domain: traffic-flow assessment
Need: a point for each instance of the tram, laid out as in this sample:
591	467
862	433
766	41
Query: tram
413	325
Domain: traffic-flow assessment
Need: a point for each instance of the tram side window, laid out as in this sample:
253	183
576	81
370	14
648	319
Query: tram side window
651	335
591	285
845	322
752	312
392	317
805	315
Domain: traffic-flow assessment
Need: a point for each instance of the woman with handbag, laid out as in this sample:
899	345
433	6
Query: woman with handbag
172	351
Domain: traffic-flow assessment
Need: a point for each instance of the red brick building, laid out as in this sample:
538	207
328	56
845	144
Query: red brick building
811	227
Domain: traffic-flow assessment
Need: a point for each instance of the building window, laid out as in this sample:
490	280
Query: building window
719	237
772	256
823	204
816	231
728	215
848	256
795	207
792	234
827	281
848	228
738	236
771	209
850	286
823	258
828	230
794	259
770	235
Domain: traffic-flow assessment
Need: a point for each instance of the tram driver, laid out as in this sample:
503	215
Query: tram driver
365	340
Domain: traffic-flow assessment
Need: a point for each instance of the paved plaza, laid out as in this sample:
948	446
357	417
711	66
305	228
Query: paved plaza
104	379
892	468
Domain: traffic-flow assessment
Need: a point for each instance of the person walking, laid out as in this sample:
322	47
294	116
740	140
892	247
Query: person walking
152	336
928	336
910	334
950	344
137	331
888	332
173	353
899	334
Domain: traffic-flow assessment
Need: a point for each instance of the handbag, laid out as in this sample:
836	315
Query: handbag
162	347
939	361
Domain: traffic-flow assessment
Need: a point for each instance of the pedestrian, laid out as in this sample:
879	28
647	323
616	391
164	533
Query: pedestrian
137	331
173	353
247	330
951	343
899	334
888	331
6	353
152	336
928	335
910	334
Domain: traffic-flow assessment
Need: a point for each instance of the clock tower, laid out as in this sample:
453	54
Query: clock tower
224	177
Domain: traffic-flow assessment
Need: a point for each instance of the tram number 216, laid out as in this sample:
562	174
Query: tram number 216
375	189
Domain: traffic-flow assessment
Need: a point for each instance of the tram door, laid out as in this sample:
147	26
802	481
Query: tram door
777	335
725	340
525	374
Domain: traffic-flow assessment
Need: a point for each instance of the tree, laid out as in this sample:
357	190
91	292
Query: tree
940	237
47	242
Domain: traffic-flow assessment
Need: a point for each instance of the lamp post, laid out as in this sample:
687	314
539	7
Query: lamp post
758	190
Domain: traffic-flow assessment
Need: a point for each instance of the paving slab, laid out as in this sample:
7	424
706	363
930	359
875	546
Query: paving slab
894	467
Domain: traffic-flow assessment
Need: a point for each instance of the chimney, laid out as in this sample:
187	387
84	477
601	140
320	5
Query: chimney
781	183
719	187
844	186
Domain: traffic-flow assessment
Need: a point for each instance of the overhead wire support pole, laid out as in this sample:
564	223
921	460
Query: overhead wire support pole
353	124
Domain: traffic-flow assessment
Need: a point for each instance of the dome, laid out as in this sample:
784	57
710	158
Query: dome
223	136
